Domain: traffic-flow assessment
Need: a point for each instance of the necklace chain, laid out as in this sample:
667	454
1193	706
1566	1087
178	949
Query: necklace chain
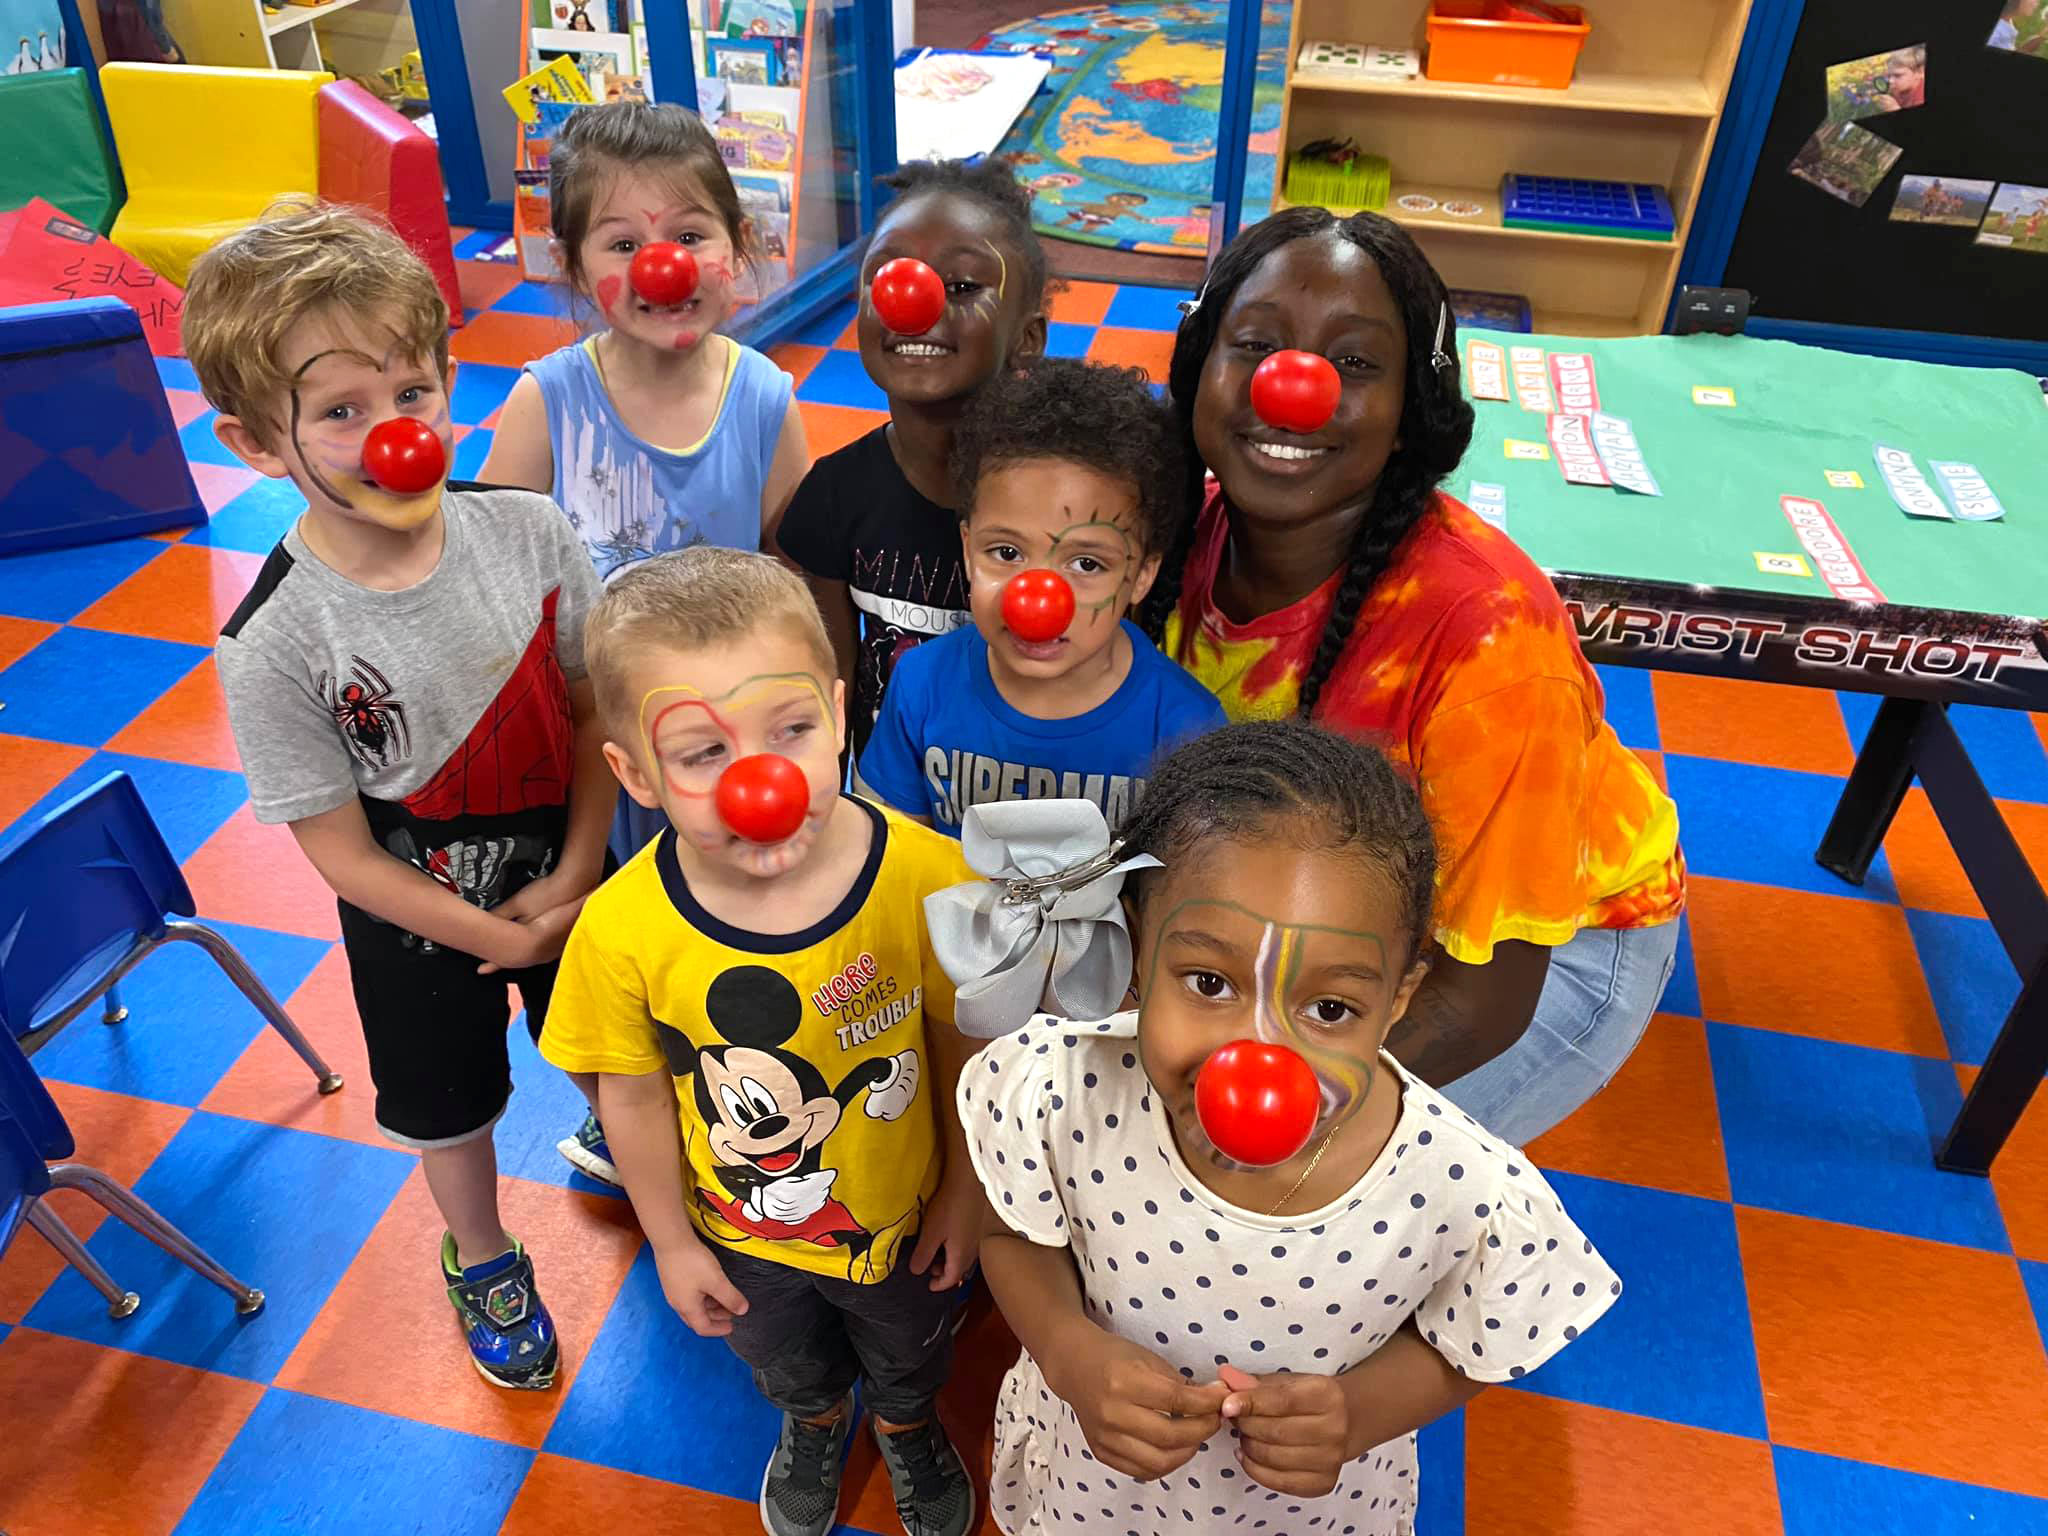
1311	1168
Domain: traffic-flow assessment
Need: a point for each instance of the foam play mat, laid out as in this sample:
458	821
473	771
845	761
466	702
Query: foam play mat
1119	145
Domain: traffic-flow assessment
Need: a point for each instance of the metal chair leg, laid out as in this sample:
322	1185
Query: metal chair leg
230	960
115	1010
120	1303
139	1214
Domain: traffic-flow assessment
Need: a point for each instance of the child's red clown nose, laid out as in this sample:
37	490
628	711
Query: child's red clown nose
664	274
908	296
1258	1103
763	798
404	455
1295	391
1038	606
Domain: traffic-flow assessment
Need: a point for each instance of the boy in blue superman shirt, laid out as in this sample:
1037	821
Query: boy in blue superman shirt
1071	470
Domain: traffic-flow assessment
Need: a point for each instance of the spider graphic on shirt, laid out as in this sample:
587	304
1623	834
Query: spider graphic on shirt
371	721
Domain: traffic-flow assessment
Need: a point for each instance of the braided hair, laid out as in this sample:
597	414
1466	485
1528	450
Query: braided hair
1237	781
991	184
1436	419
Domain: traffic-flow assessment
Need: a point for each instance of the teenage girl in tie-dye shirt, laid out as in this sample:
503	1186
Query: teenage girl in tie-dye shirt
1324	574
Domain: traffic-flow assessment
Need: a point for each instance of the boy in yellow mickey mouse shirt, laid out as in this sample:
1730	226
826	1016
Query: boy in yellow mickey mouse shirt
779	1005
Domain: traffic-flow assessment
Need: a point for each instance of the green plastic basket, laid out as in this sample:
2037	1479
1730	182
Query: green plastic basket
1361	182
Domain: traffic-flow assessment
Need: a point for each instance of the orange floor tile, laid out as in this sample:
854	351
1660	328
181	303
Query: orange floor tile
185	594
1762	723
189	724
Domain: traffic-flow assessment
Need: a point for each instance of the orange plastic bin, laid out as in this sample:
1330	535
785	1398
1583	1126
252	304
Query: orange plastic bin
1468	46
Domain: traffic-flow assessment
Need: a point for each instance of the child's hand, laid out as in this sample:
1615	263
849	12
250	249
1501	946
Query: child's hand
1293	1431
537	940
538	896
952	1222
696	1286
1138	1414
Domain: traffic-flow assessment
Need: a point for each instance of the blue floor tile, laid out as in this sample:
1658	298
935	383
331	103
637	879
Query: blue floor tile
1742	822
646	1367
304	1464
549	299
546	1107
1631	707
1844	1133
479	243
829	326
1826	1496
839	379
1973	983
1064	339
470	454
83	685
254	520
1677	1345
56	585
2035	1277
1146	309
187	1023
282	1210
2002	743
203	447
1440	1477
1682	992
176	373
480	388
188	804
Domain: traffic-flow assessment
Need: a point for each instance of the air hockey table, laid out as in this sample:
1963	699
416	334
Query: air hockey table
1762	510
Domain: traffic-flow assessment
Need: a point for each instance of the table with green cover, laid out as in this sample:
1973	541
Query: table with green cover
1775	549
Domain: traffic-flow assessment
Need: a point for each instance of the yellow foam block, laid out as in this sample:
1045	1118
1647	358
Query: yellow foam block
205	151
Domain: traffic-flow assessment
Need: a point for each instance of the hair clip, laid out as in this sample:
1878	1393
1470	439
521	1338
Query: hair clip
1439	359
1043	931
1187	307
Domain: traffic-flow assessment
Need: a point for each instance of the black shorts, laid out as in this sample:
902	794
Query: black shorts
436	1030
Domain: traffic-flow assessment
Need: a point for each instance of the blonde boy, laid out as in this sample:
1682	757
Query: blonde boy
779	1005
406	685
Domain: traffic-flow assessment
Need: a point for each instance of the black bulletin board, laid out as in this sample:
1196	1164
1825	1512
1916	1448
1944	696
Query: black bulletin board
1805	256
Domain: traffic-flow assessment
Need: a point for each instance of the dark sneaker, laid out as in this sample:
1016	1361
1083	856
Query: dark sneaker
933	1495
511	1336
800	1489
587	1152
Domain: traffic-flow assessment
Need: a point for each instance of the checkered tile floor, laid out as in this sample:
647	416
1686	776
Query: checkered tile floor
1821	1333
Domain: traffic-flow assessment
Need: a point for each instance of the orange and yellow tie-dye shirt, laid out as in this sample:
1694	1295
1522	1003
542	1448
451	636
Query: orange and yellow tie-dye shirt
1463	667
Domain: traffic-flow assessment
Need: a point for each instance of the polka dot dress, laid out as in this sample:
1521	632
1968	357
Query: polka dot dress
1448	1226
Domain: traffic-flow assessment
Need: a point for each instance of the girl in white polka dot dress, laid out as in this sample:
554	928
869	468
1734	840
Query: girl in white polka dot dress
1210	1345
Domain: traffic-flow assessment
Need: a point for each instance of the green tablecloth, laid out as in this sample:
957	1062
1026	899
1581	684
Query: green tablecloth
1799	412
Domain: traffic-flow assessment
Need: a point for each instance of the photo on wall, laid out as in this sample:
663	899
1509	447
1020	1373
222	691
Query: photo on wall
1845	161
2022	28
1883	82
2018	219
1942	200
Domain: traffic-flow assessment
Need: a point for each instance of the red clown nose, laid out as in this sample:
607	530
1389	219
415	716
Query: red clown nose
908	296
763	798
1258	1103
404	456
1295	391
664	273
1038	606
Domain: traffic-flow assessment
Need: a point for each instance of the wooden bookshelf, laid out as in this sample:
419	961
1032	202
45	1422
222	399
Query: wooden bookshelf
1643	107
350	37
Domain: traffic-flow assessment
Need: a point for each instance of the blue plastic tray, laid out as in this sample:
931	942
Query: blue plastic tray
1630	211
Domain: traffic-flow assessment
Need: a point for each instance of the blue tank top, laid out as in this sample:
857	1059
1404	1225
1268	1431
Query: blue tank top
630	499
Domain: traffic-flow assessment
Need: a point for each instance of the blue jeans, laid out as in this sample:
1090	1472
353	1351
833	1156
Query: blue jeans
1597	999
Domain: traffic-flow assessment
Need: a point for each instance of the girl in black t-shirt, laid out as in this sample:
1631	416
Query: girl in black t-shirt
872	525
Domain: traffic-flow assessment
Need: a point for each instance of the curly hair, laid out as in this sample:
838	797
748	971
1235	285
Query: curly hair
990	183
1083	413
1436	419
1238	781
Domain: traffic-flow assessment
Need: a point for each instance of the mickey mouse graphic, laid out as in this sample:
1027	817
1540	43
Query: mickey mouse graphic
769	1112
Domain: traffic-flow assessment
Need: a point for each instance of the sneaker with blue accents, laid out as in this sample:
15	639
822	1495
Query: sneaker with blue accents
934	1495
587	1152
511	1336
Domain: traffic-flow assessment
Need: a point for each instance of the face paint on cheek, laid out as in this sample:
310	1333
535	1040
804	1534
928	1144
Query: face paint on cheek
305	463
1002	270
608	291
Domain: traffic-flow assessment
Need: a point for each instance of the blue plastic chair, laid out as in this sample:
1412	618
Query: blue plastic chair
86	895
32	1131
